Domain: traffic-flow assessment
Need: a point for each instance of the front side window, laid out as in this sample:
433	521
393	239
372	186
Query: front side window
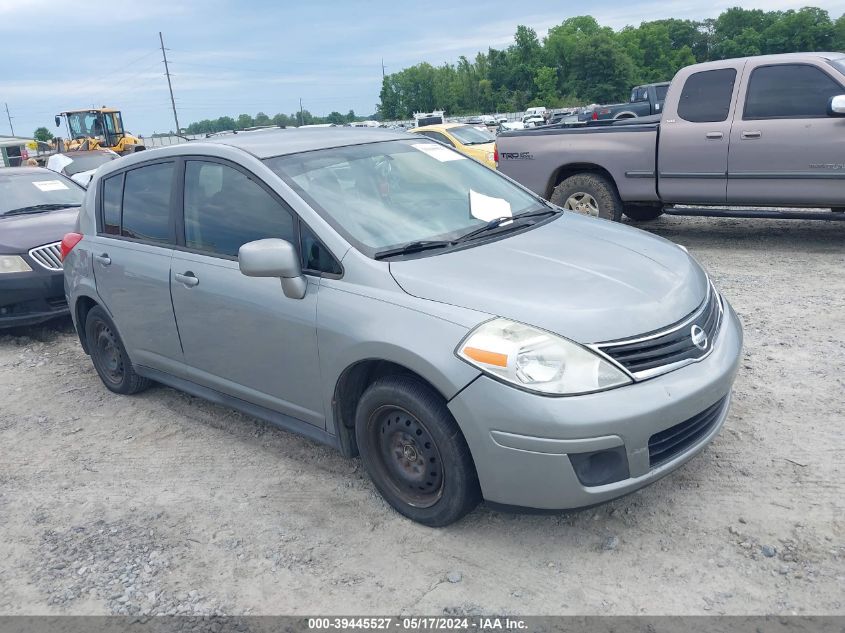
146	203
225	209
789	91
706	97
387	194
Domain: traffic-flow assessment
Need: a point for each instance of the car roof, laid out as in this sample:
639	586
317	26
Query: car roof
19	171
439	127
280	142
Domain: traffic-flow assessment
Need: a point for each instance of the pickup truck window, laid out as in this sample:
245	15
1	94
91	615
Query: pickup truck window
789	91
706	97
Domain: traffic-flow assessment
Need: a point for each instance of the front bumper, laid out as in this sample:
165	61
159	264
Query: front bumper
31	298
522	442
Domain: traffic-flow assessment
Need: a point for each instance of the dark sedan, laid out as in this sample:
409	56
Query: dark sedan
37	208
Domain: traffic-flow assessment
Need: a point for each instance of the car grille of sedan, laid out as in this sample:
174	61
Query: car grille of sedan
664	445
685	342
49	256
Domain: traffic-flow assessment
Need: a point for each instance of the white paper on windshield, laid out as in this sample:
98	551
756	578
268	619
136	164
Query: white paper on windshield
488	208
443	154
50	185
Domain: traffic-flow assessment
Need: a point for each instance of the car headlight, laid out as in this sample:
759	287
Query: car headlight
537	360
13	264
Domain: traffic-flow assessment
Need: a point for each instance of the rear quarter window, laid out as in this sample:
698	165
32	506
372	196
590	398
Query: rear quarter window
706	97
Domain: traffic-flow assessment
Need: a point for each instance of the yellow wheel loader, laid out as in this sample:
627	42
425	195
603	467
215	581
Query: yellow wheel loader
96	128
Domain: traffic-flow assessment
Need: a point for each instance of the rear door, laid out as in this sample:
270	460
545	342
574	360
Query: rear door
695	133
241	335
785	149
132	252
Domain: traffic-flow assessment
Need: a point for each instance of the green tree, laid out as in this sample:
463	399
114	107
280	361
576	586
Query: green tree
42	134
244	121
262	119
545	79
336	117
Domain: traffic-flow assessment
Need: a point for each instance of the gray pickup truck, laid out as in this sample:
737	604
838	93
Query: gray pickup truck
763	131
646	100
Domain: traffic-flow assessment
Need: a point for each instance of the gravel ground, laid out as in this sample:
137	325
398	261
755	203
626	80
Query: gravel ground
163	503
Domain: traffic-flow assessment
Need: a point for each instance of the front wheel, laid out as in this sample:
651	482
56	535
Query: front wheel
589	194
414	451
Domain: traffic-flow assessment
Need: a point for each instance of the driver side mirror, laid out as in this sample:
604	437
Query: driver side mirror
58	120
273	257
836	106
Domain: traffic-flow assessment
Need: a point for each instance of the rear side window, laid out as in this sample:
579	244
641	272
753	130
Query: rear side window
660	92
789	91
225	209
146	203
706	97
437	136
112	202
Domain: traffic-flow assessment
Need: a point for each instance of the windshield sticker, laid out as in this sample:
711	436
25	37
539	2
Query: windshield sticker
443	154
488	208
50	185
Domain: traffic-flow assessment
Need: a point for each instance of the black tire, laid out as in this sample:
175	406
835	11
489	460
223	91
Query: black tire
643	212
414	451
109	355
598	187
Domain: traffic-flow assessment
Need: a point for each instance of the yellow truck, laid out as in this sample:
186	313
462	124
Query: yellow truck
97	128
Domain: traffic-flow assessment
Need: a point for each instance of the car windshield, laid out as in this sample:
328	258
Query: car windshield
384	195
37	190
84	162
471	135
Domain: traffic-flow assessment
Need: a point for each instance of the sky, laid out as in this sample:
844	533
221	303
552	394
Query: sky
229	57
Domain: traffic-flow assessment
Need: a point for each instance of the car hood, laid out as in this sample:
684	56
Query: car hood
19	233
588	280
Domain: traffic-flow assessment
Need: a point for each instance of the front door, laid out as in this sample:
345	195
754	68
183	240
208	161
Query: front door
785	149
694	137
241	335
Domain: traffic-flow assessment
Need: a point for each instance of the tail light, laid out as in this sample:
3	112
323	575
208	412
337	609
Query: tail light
595	116
496	154
68	242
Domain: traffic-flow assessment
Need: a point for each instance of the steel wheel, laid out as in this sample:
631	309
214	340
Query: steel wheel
581	202
108	353
407	456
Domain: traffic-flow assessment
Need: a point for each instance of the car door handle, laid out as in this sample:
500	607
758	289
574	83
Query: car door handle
714	135
187	278
752	134
104	259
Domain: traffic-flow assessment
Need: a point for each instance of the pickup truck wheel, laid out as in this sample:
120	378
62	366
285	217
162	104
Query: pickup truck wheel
589	194
643	212
414	451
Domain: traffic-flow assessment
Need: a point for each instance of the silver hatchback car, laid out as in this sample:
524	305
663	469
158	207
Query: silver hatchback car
392	298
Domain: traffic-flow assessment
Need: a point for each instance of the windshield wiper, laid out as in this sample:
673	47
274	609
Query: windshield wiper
38	208
412	247
509	221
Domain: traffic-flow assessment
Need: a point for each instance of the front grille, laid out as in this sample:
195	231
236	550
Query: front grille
655	353
665	445
48	256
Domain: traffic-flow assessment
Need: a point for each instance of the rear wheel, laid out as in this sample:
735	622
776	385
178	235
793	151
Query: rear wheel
589	194
109	355
414	451
643	212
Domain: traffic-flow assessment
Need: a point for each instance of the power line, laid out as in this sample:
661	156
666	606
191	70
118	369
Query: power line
169	85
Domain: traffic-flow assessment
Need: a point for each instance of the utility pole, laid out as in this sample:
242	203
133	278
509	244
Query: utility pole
9	116
169	85
382	67
301	116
